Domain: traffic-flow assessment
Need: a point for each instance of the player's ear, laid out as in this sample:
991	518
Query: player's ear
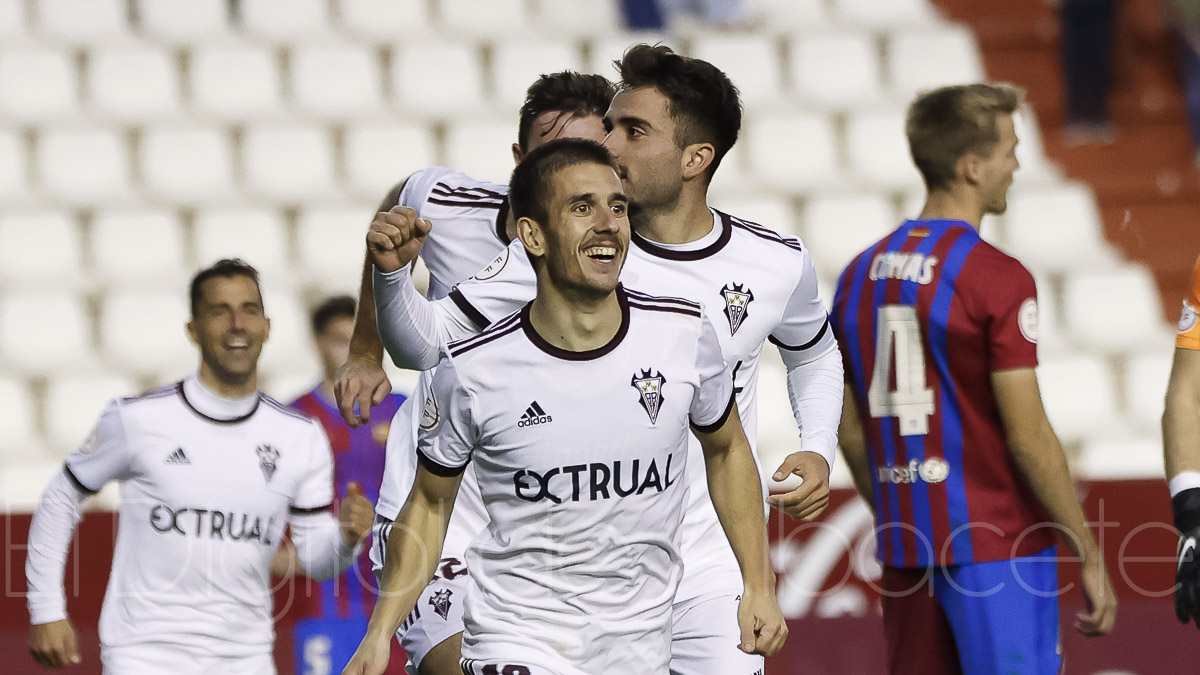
518	155
531	235
970	168
191	331
697	157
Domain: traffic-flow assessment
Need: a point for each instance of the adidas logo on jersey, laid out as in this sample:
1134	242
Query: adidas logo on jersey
177	457
534	415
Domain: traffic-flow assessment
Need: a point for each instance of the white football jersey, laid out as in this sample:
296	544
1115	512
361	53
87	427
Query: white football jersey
755	285
581	458
204	505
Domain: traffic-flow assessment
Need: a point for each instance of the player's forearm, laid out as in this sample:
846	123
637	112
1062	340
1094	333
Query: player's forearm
365	342
320	547
49	540
815	390
1041	460
413	329
1181	416
736	491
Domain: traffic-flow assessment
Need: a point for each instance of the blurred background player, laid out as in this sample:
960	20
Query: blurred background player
1181	446
212	471
943	426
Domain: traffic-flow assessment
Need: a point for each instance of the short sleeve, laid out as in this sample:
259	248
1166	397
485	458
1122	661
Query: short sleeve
1188	336
804	329
1011	318
315	492
104	456
447	435
499	289
714	397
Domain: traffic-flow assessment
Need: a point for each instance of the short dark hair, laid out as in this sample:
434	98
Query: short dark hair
703	101
225	268
531	179
571	93
945	124
332	308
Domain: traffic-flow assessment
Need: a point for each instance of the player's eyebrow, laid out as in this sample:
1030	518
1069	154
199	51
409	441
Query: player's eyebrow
588	197
631	121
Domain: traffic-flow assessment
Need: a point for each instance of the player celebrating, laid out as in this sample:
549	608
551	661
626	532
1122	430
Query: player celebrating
1181	438
944	428
212	472
671	123
576	575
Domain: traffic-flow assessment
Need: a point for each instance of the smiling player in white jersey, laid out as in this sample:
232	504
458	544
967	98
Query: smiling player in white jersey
212	472
577	570
672	122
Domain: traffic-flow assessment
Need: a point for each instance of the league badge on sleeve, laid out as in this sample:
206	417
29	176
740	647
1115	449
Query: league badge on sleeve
267	456
737	304
650	389
1187	320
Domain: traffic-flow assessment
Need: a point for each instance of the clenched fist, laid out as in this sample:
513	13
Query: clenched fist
395	238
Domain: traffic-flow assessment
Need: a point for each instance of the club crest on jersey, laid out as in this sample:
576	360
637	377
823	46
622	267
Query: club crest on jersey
441	602
267	456
649	388
430	415
737	304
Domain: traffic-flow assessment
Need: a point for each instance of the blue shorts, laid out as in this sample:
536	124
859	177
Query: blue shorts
996	617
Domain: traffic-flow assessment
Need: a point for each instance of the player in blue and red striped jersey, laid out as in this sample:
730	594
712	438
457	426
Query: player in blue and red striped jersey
943	425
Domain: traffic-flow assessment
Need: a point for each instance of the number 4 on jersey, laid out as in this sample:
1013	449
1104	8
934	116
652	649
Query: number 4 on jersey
911	402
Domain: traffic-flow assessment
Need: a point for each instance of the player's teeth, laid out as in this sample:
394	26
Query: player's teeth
602	251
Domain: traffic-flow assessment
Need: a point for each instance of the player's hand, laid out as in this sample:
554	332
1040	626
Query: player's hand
53	644
360	385
764	630
808	500
1099	598
1187	579
395	238
356	514
371	657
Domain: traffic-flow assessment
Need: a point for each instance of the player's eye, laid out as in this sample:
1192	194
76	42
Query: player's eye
636	132
619	208
582	208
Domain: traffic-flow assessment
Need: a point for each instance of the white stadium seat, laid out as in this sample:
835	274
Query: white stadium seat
235	81
788	15
379	155
792	151
25	240
838	227
140	245
1051	329
920	60
885	15
1080	396
482	149
1114	310
517	64
133	82
37	84
732	175
752	62
1146	376
774	212
289	162
20	429
1121	458
73	405
383	20
332	242
14	177
143	331
335	80
257	236
190	22
855	80
290	348
1057	229
878	150
93	21
285	20
104	176
43	332
578	19
12	19
437	78
1035	168
189	164
22	483
483	19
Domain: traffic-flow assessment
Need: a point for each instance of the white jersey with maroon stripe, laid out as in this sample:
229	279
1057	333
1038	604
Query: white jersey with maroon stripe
581	458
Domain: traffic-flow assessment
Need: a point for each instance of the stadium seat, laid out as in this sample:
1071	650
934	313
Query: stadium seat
482	19
383	21
577	19
379	155
752	62
427	90
133	82
878	150
284	20
37	84
1114	310
22	483
20	418
1121	458
885	15
191	22
1146	376
188	164
104	176
602	51
74	403
1057	230
481	149
138	246
12	19
235	80
787	16
1035	168
43	332
855	80
517	63
1080	396
922	59
1051	330
142	331
792	152
256	235
289	162
290	349
838	227
775	212
92	22
331	243
27	238
732	175
335	80
14	178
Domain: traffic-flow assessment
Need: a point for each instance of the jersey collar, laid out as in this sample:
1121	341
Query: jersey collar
589	355
659	251
200	400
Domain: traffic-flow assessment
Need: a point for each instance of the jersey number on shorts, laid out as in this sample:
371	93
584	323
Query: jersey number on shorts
505	670
911	402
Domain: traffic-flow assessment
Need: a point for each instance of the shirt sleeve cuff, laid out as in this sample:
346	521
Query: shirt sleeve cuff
1184	480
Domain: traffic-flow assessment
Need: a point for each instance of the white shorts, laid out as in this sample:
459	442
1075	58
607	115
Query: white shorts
705	638
156	659
438	614
490	667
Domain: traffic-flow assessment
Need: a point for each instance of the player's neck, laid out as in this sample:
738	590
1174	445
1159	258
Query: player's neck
227	389
572	321
686	220
952	205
